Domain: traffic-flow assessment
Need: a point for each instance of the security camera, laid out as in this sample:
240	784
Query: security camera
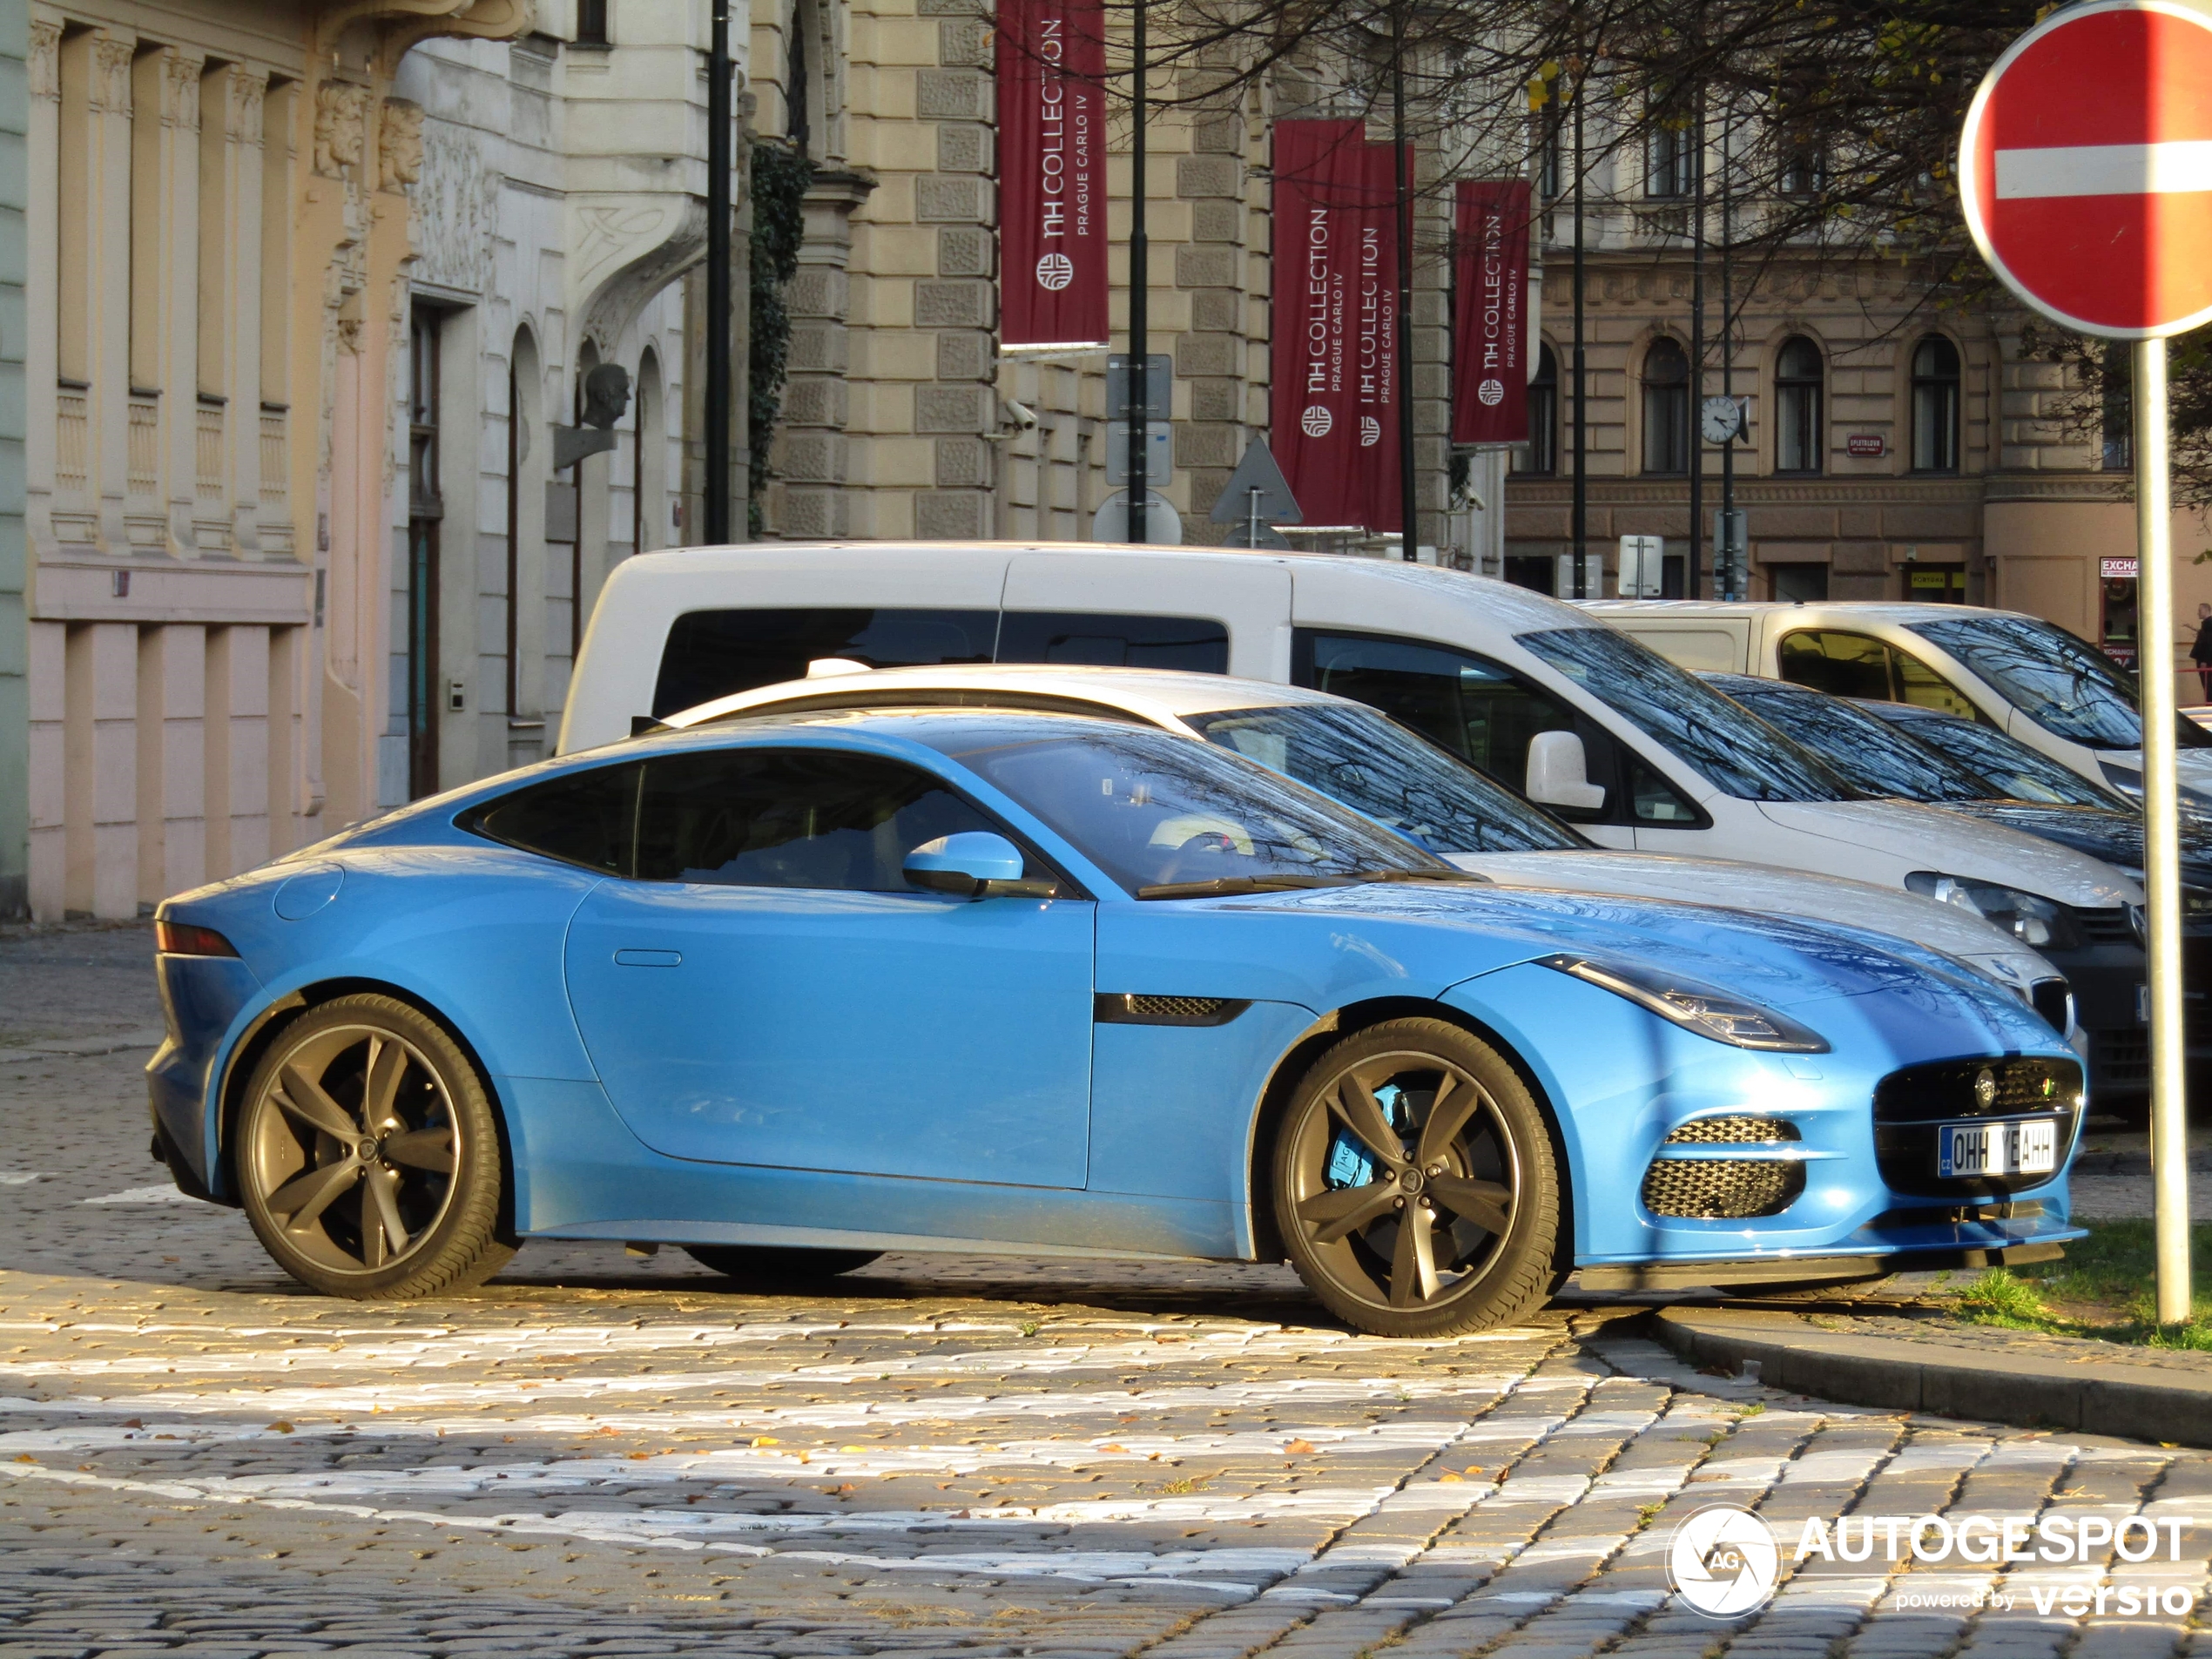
1020	416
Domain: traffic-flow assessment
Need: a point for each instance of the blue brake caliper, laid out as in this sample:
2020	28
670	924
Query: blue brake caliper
1350	1165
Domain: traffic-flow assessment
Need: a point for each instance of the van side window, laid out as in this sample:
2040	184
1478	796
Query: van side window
585	817
791	817
1195	644
1459	702
714	653
1653	800
1848	664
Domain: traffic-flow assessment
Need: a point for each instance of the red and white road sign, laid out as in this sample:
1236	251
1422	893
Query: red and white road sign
2086	168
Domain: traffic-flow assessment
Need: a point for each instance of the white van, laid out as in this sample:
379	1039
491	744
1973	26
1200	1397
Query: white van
2029	678
1540	695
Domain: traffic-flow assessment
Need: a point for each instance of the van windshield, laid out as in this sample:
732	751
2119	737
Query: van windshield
2063	683
1376	766
1739	753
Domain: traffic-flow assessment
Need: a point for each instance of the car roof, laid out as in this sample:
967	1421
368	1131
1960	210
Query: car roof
1148	693
1897	610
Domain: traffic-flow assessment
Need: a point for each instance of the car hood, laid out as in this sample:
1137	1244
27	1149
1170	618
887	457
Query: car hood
1767	890
1421	930
1950	843
2123	768
2114	837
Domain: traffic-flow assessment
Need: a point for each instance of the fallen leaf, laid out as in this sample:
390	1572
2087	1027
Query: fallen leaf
765	1440
281	1426
638	1457
1456	1479
1301	1446
132	1422
1112	1447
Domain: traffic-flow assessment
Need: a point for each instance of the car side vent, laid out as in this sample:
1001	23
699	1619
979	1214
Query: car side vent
1736	1130
1721	1189
1138	1008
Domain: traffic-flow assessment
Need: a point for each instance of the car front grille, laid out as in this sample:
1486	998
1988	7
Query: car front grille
1910	1107
2107	926
1721	1189
2121	1059
1737	1130
1949	1088
2050	998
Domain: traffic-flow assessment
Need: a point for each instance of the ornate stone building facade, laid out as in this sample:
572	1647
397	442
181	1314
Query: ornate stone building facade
295	268
1894	450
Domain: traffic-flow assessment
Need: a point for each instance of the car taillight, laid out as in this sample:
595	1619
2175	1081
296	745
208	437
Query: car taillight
182	938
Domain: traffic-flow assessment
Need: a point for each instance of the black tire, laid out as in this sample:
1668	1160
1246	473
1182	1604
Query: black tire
1490	1150
766	1266
363	1121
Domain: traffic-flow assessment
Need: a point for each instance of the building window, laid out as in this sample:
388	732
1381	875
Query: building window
1670	155
1666	408
591	23
425	508
1935	405
1801	166
1551	166
1796	406
2117	414
1539	457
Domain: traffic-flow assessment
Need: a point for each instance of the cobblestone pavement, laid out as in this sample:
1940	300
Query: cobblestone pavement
600	1456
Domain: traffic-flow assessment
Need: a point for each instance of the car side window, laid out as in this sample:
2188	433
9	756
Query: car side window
1848	664
585	817
1653	800
1474	709
716	654
1195	644
1922	687
791	817
1842	664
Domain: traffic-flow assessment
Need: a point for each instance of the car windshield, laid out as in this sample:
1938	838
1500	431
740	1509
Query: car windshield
1157	811
2014	770
2063	683
1376	766
1871	755
1736	752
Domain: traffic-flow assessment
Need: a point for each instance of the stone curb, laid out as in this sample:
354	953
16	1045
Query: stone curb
2137	1402
79	1048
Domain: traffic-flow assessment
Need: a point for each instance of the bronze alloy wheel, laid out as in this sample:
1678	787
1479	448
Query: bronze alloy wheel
365	1154
1415	1186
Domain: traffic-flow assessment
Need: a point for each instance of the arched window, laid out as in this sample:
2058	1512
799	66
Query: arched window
1666	408
1796	406
1935	405
1539	457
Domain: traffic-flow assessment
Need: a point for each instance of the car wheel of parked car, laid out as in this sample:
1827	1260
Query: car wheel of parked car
751	1265
1414	1183
367	1154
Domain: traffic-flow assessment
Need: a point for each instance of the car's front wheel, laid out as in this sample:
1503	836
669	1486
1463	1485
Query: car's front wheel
1415	1187
367	1154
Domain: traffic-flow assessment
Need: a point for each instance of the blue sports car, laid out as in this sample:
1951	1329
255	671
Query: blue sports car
800	992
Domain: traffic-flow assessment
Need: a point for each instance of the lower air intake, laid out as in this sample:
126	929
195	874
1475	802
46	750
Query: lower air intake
1721	1189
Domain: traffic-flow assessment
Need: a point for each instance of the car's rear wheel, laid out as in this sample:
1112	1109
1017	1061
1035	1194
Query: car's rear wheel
767	1266
368	1157
1415	1186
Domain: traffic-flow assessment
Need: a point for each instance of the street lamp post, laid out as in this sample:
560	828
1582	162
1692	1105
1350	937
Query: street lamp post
1409	511
1140	278
718	378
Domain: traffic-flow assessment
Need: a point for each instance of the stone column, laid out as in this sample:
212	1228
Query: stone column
808	494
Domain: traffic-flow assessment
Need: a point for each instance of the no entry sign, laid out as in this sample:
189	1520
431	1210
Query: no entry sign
2086	168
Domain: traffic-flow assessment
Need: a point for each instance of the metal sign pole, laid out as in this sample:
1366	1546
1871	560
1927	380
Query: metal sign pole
1139	289
2161	865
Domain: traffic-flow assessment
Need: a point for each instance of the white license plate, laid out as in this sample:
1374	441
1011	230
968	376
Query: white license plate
1996	1148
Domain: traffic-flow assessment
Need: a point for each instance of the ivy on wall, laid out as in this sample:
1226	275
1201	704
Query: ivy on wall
781	177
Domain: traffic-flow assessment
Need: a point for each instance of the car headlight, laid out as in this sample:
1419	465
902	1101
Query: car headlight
1693	1005
2029	917
2196	912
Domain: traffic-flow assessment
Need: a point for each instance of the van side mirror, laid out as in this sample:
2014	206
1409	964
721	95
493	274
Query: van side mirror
1558	773
974	864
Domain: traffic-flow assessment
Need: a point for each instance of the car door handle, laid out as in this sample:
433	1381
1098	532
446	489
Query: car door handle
649	959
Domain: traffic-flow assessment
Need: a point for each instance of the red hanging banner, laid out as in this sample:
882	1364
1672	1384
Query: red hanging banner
1490	312
1334	419
1052	172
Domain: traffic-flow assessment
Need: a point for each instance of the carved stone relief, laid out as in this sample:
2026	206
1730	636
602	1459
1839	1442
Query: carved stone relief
45	66
181	73
341	112
111	87
398	144
454	207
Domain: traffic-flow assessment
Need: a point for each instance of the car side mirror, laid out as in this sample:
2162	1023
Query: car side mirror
974	864
1558	773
